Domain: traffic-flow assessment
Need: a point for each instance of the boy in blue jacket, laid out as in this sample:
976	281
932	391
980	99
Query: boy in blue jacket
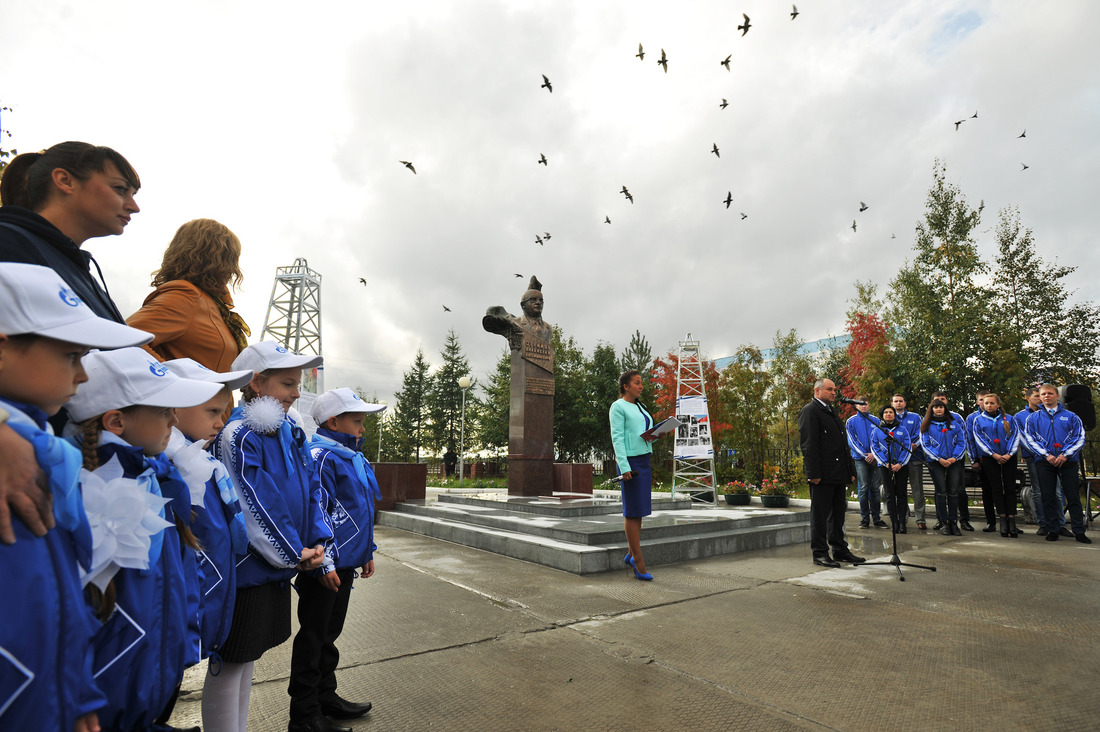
1056	436
351	490
46	659
860	428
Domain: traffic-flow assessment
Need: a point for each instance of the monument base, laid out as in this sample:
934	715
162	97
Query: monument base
573	478
528	476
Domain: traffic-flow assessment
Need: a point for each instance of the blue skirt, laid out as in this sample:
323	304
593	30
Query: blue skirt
637	491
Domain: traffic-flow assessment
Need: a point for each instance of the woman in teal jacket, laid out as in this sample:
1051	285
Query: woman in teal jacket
629	420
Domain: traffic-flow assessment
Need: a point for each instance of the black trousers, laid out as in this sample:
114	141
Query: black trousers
827	506
313	661
895	485
1002	485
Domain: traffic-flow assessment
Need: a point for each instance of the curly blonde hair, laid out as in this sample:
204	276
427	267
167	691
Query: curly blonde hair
205	253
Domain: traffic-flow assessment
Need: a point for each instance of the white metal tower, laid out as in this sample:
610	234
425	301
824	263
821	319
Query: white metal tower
693	453
294	316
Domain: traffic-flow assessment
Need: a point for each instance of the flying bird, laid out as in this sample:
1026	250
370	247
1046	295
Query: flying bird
714	149
729	198
640	54
1022	134
853	224
663	61
863	206
408	165
626	193
546	83
538	240
744	28
546	236
607	219
362	281
981	206
542	159
794	12
724	104
958	123
975	115
446	309
517	274
893	236
1026	166
744	215
726	62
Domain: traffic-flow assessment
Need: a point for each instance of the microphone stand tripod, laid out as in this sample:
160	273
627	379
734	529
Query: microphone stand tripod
894	561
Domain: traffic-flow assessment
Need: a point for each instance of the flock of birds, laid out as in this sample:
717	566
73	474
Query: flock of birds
728	200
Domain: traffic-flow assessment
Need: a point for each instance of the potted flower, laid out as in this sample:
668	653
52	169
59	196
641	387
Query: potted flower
774	492
737	493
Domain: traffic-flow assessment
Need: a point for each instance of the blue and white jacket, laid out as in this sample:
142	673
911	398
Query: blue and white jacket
281	500
995	434
942	442
144	646
973	451
219	527
1021	425
859	429
46	660
1055	434
911	422
886	452
349	483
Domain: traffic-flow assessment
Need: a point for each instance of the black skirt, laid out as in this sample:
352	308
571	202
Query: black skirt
261	621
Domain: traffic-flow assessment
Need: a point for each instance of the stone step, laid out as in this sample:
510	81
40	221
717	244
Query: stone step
594	542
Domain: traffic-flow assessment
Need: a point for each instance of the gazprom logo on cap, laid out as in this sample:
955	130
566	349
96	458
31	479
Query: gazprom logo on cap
68	297
281	349
157	368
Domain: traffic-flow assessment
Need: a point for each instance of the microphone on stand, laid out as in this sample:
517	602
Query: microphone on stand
846	400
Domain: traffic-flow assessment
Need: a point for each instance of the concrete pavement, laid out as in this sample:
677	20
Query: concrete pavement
1003	634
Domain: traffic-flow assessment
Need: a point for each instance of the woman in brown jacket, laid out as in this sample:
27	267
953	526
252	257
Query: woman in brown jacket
190	313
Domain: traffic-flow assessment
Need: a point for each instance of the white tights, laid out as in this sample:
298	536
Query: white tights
225	698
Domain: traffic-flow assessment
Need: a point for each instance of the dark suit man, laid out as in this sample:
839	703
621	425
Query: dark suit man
829	470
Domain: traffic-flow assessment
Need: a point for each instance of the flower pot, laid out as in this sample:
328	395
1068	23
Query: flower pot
775	501
738	499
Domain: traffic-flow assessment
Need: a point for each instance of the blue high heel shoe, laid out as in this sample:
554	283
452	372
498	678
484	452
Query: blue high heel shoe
627	559
643	576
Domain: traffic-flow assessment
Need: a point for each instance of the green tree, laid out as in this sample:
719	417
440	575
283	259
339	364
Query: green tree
937	302
444	400
743	388
1055	340
410	411
637	357
602	391
494	410
571	437
792	376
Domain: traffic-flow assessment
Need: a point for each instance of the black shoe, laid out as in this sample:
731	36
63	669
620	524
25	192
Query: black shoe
320	723
1004	527
847	557
938	526
990	527
1042	531
826	562
946	530
865	523
902	528
1065	532
966	525
338	708
1052	536
1082	538
880	524
1012	530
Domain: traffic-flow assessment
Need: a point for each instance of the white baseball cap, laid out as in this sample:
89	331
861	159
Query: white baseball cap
335	402
129	377
189	368
37	300
273	355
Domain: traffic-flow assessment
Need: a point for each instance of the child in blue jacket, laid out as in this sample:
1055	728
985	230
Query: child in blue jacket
892	447
46	661
216	513
351	490
268	460
124	417
995	437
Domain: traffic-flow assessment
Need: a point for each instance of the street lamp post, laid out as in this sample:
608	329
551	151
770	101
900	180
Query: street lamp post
381	423
464	384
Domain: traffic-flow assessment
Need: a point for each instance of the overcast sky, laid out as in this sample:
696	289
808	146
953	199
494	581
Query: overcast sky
286	121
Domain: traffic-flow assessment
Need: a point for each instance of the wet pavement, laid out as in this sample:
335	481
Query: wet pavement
1002	634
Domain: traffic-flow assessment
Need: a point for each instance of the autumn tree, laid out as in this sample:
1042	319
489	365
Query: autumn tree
743	388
